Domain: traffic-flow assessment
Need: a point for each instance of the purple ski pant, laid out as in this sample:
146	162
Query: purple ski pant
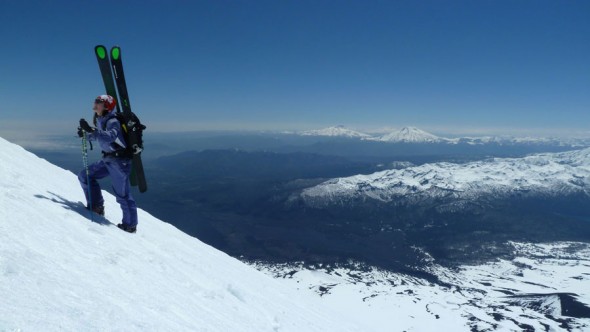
119	170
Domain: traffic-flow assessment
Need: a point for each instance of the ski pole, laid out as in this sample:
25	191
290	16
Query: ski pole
85	161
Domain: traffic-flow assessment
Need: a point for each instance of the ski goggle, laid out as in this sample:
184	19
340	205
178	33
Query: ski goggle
99	101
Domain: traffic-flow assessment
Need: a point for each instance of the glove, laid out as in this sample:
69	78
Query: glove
85	126
80	132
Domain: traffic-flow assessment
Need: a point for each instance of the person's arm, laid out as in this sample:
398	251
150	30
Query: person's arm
111	133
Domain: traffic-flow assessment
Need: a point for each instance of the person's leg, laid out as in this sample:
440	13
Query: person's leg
96	171
119	170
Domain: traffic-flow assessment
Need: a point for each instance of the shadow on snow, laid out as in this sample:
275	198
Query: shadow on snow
77	207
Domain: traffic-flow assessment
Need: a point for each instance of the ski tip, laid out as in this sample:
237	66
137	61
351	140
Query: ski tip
100	51
115	52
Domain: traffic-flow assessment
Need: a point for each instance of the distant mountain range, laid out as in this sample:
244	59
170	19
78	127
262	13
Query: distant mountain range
337	131
542	174
415	135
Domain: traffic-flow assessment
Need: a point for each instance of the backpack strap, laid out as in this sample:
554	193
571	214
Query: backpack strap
104	124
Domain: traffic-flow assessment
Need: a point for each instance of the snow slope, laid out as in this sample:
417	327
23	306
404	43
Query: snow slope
60	271
547	173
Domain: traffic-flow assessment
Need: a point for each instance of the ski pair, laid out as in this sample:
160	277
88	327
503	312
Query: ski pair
111	65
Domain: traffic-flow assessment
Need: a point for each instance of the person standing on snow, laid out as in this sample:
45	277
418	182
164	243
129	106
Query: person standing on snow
115	162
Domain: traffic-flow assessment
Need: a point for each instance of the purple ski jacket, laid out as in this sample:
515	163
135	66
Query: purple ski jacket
108	133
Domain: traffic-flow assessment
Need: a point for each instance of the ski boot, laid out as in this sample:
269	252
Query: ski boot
127	228
98	210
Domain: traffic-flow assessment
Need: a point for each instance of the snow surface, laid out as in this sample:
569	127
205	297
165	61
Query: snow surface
60	271
506	295
547	173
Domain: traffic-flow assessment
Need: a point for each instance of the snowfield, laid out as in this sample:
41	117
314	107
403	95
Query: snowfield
61	272
544	288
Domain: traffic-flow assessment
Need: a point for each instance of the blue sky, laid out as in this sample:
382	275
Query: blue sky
446	66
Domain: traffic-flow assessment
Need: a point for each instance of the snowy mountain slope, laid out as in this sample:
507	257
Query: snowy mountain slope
410	135
543	288
548	174
60	271
337	131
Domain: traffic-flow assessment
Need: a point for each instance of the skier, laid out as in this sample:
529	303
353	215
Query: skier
116	162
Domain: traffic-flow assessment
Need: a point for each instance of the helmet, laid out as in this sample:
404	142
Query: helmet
108	101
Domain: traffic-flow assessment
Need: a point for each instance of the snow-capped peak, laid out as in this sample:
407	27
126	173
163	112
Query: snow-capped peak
410	135
60	271
336	131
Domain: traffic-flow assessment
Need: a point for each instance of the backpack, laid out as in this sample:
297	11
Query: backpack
132	132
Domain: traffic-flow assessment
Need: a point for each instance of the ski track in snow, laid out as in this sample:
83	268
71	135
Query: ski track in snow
60	271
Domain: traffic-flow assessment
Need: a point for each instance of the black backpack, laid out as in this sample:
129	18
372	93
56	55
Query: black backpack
132	132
